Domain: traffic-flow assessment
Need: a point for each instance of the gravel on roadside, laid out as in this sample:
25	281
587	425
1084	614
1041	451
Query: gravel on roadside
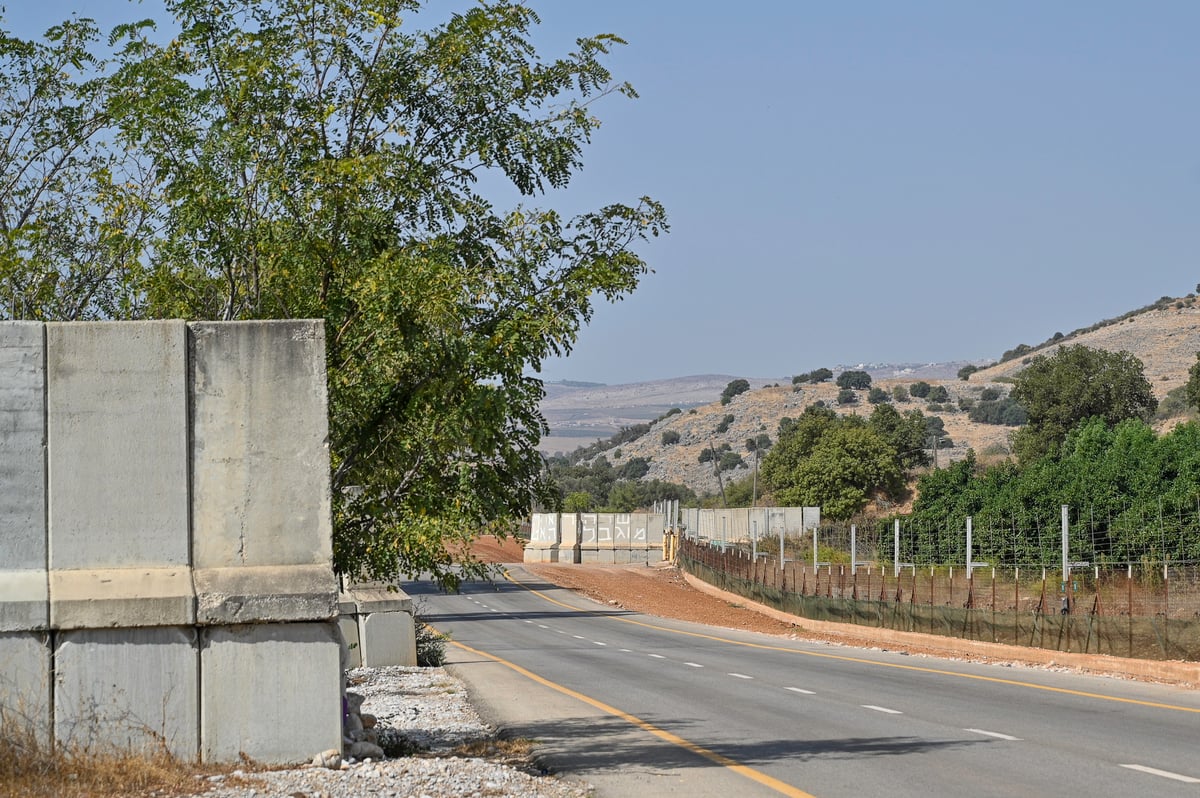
425	709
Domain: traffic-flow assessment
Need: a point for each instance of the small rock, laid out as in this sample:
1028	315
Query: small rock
365	750
331	759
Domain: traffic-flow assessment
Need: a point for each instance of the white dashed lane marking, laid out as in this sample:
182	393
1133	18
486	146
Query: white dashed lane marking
693	664
740	676
800	690
658	656
1166	774
883	709
598	643
997	735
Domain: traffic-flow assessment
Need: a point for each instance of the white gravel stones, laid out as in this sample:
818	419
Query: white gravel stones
427	708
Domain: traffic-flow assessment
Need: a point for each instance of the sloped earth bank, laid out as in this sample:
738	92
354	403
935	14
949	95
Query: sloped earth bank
665	591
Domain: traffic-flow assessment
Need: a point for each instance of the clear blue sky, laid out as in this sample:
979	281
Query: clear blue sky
876	181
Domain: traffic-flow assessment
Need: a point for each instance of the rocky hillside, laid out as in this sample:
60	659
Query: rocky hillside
1165	336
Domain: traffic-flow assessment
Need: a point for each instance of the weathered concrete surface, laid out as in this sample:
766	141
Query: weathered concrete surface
24	595
128	689
25	684
115	597
387	638
116	400
270	689
260	448
250	594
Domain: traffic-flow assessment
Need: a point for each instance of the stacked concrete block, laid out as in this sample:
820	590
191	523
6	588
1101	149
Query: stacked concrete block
622	533
589	541
262	540
165	524
544	539
378	619
569	538
121	598
24	590
646	536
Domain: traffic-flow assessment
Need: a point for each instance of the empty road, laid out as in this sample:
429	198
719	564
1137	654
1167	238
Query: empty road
646	706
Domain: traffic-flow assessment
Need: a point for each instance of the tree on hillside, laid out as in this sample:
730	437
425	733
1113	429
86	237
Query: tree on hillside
301	160
854	378
1192	388
734	388
965	372
820	375
906	434
847	468
1074	384
920	389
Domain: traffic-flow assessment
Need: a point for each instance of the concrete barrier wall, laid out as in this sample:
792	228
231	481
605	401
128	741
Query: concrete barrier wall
606	538
746	523
165	542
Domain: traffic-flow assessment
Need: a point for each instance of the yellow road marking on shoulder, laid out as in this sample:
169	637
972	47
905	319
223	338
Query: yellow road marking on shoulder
862	661
712	756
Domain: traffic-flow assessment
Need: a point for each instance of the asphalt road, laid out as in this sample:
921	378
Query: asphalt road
638	705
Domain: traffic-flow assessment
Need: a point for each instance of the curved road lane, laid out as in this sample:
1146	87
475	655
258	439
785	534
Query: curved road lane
647	706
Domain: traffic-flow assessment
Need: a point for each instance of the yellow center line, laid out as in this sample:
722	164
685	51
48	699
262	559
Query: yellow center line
712	756
861	661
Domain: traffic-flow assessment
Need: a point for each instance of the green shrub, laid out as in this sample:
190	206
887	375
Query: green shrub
670	437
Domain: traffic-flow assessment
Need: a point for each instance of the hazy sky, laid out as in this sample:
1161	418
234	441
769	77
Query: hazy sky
875	181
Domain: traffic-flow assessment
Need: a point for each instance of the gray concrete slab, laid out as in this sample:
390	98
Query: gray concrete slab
104	598
128	689
25	684
271	689
116	402
24	597
387	638
260	452
255	594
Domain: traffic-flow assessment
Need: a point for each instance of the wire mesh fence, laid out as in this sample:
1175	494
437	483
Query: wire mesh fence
1147	610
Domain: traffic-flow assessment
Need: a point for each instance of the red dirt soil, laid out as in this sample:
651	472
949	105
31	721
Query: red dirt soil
663	591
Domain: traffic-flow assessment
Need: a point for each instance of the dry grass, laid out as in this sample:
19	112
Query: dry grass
516	753
28	769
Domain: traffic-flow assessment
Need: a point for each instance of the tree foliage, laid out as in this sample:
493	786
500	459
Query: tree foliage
854	378
325	160
1074	384
1192	387
734	388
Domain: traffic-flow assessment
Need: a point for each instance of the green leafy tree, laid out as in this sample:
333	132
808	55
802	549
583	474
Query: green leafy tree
820	375
304	160
900	393
847	397
1074	384
965	372
733	389
920	389
906	434
634	468
878	395
847	468
854	378
938	394
579	501
1191	389
670	437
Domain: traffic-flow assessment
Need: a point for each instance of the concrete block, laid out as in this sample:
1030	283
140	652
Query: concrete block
606	557
265	594
544	530
589	556
380	597
271	691
117	431
25	684
98	599
644	555
532	554
569	530
24	600
260	452
128	689
387	638
605	530
352	647
622	531
622	556
24	597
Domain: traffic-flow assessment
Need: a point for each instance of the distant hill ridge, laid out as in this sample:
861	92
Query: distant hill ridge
1165	336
